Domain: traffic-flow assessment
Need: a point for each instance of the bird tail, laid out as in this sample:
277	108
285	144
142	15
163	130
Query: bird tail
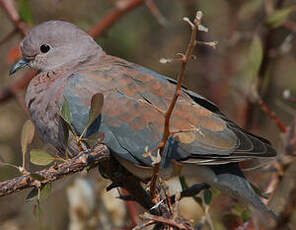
232	181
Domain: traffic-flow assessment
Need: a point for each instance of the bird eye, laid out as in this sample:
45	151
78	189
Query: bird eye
44	48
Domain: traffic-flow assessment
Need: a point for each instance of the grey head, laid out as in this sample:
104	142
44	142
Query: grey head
54	44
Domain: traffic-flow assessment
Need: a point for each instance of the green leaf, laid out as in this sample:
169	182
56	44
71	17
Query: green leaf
65	111
27	136
245	216
278	17
66	129
207	196
255	55
32	194
45	191
37	210
66	117
8	171
25	11
40	157
216	192
96	107
37	176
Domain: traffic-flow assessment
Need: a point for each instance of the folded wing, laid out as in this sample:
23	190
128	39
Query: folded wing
135	99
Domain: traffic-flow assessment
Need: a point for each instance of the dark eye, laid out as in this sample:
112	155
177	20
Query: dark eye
44	48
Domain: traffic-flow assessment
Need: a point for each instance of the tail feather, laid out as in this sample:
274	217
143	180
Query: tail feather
232	181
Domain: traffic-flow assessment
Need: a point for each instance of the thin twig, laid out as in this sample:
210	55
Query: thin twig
144	225
169	222
55	172
282	127
167	116
167	197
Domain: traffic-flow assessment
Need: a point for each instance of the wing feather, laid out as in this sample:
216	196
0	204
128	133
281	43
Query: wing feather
134	98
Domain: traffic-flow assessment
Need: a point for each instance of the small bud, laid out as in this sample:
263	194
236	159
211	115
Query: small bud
21	169
198	15
164	60
203	28
212	44
286	94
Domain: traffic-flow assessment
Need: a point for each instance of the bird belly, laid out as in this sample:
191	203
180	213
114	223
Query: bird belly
201	173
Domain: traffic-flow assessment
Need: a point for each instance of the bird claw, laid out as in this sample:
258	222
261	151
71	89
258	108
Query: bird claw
111	186
126	197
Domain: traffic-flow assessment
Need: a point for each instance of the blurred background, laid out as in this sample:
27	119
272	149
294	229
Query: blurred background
256	53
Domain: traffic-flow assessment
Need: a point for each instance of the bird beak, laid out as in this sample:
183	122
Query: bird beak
20	64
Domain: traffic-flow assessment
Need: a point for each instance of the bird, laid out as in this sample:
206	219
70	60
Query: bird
72	67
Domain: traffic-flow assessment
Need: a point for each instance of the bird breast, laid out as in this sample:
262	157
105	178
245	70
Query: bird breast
42	100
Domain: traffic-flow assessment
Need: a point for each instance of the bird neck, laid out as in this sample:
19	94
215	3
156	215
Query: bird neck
85	61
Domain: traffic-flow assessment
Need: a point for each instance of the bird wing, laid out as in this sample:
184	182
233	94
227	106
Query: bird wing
135	99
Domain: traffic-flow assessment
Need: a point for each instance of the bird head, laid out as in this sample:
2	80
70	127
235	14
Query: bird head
54	44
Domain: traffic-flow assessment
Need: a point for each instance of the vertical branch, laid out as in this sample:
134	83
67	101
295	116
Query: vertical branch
167	116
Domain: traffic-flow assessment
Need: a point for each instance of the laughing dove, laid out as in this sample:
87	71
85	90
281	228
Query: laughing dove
72	65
